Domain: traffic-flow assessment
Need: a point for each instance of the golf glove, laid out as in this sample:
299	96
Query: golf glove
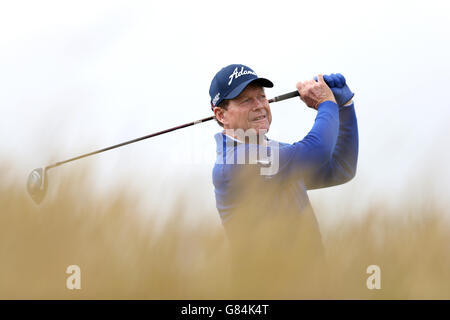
338	86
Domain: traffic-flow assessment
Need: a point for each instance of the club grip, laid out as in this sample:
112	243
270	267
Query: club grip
285	96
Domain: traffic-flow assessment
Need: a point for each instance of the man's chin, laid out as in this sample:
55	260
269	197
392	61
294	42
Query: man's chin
262	129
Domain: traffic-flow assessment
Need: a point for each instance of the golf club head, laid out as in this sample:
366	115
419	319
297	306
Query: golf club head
37	184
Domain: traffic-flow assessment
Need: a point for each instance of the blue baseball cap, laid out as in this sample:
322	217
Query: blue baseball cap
231	80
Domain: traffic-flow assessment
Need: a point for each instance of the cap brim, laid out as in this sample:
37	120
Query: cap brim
237	91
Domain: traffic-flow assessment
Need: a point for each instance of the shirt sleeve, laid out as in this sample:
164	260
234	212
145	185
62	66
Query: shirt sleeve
314	151
341	167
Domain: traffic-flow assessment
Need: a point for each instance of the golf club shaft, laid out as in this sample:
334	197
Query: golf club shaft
131	141
274	99
285	96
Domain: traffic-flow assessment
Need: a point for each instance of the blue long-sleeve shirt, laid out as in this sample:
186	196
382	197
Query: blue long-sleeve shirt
326	156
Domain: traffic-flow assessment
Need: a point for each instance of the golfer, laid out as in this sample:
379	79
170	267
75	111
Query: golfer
246	196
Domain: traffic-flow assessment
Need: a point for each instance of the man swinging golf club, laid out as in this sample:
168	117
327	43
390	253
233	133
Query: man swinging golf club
325	157
37	182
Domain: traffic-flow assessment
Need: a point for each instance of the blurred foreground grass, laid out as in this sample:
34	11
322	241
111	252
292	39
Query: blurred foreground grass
123	256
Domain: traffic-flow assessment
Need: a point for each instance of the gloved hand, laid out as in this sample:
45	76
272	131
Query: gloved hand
313	93
338	86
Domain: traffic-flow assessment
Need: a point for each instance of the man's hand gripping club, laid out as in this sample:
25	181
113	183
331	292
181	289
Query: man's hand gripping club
313	92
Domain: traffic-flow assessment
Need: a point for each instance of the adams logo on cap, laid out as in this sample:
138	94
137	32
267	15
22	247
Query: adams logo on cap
216	98
231	80
236	74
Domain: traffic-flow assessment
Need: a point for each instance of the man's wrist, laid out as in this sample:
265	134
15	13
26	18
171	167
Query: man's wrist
348	103
325	102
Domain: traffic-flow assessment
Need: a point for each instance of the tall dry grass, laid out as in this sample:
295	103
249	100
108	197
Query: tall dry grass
123	256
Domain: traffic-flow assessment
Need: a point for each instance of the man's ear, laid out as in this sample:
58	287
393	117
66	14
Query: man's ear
219	114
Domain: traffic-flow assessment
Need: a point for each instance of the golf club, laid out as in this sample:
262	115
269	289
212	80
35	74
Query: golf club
38	181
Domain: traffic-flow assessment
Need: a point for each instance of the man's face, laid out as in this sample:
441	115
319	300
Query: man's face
248	110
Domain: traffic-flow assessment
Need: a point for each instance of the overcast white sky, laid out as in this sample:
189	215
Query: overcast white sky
76	76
